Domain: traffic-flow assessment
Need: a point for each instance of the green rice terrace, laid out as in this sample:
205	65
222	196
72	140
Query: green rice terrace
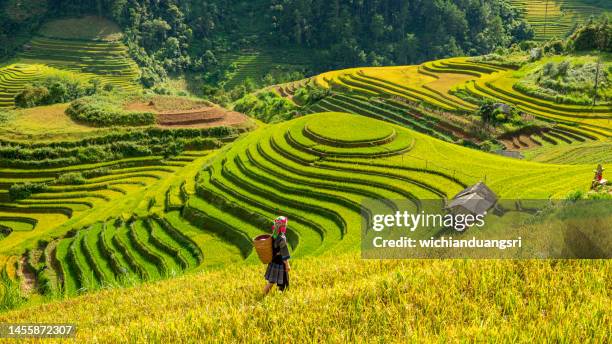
97	53
80	227
552	19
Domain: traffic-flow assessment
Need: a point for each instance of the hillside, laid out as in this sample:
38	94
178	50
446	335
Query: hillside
328	166
141	152
442	99
120	220
191	36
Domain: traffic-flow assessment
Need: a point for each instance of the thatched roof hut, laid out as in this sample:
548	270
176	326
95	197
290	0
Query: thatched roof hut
475	200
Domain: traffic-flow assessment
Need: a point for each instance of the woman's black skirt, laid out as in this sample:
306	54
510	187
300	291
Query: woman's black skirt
276	273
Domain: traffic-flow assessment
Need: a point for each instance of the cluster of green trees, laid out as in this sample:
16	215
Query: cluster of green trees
499	113
104	111
380	32
270	107
309	94
163	36
595	35
17	20
267	106
58	89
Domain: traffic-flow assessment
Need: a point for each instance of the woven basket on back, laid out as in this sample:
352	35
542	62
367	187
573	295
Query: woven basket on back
263	246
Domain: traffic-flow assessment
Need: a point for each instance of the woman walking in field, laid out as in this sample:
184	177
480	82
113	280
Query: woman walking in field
278	270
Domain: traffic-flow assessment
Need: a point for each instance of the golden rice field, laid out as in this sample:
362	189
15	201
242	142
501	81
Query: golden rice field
342	299
322	185
437	98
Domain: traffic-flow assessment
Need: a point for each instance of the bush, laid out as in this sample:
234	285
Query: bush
56	89
575	195
104	112
10	293
535	54
6	115
600	196
173	149
25	190
554	47
266	106
71	178
98	172
310	94
499	113
112	146
527	45
32	96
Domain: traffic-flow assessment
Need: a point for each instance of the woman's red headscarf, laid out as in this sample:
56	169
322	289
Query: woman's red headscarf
280	226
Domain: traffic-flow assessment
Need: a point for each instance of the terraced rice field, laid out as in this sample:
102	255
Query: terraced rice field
556	18
106	231
86	58
150	218
397	95
288	90
255	65
14	78
600	152
108	60
546	138
316	172
203	117
425	98
111	253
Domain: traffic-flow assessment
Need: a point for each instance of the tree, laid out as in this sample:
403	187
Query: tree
592	36
32	96
210	59
377	26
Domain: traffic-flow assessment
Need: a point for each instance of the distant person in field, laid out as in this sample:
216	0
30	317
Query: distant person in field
278	270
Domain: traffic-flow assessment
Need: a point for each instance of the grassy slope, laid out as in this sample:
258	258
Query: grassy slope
341	299
46	123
